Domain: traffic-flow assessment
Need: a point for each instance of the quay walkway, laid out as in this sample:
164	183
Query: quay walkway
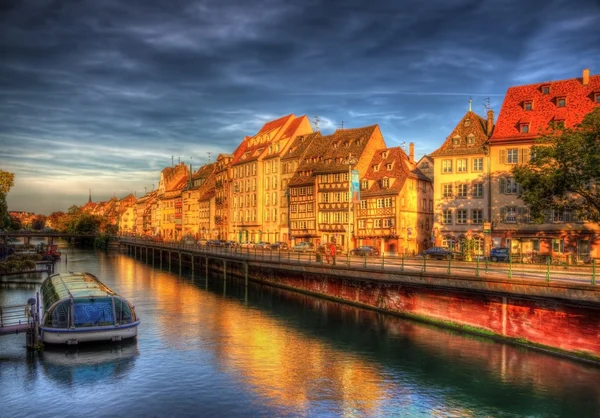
481	268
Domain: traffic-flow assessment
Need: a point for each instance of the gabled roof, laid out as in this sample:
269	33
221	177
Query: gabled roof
378	170
544	109
253	147
470	126
328	153
300	144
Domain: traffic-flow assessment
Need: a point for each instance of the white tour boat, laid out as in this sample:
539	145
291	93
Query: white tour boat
79	308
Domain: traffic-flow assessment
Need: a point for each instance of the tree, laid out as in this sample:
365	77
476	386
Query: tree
6	183
564	171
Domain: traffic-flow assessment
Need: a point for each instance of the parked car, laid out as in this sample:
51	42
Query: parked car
499	254
229	244
279	245
439	253
261	245
365	250
246	244
304	246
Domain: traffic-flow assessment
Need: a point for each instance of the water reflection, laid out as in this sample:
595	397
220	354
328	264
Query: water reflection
298	351
88	364
215	350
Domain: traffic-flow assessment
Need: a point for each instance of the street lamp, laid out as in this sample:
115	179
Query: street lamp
351	161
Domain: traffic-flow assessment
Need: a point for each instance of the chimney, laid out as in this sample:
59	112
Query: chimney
490	123
411	152
586	77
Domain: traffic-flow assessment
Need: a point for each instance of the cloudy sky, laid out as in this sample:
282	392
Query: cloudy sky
101	94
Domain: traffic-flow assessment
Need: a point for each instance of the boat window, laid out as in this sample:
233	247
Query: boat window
123	312
91	312
60	315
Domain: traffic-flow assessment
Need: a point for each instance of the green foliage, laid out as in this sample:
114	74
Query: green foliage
564	171
84	224
6	181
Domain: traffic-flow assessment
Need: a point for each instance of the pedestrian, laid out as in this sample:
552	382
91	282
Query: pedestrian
332	251
327	252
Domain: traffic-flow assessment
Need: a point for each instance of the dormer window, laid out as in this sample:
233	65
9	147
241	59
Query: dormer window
385	183
467	122
376	167
470	139
546	89
597	97
528	105
561	101
389	166
456	141
364	185
524	128
384	154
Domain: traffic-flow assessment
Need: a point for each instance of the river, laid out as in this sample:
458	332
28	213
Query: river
213	348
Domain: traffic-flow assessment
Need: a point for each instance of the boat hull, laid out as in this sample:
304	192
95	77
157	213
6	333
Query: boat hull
88	334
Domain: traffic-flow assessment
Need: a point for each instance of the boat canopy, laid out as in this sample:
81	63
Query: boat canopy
72	285
80	300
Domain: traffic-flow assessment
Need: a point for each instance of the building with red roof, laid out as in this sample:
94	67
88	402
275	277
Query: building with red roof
256	180
526	114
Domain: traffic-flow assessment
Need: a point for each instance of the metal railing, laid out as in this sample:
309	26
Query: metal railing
15	315
546	268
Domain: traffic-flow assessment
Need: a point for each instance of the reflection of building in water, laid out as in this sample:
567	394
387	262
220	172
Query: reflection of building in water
89	364
266	350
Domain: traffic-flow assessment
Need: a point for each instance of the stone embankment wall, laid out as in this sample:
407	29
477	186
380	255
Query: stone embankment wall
559	317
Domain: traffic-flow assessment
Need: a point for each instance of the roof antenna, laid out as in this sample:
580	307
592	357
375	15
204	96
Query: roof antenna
403	145
208	152
315	122
470	104
171	161
341	125
486	103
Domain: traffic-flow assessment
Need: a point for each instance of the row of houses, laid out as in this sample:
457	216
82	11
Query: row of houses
288	183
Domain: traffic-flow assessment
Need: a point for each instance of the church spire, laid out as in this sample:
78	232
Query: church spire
470	105
90	198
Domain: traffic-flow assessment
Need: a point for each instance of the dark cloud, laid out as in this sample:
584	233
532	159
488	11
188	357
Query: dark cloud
104	90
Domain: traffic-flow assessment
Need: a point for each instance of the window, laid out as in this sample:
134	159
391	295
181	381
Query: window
597	97
337	197
446	166
363	204
385	183
561	101
447	190
376	168
528	105
461	165
461	216
388	222
510	214
462	190
388	166
361	224
477	164
546	89
524	128
558	246
477	190
470	139
336	178
377	223
477	216
456	141
508	185
512	156
447	216
325	198
364	185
